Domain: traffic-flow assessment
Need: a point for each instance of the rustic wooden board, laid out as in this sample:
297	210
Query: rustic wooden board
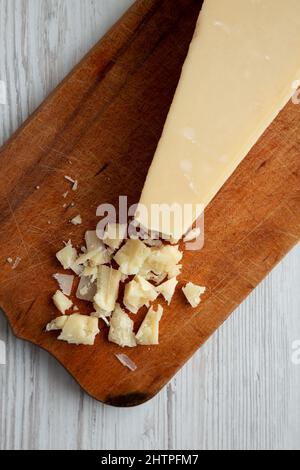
101	126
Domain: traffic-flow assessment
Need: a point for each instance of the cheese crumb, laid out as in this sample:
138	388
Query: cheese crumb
76	329
68	178
67	256
162	260
95	257
148	333
132	256
121	329
57	324
138	293
77	220
107	288
193	293
92	241
65	282
114	235
167	289
86	289
126	362
16	262
91	272
61	302
100	312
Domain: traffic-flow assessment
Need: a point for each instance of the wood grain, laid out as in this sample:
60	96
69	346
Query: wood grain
28	210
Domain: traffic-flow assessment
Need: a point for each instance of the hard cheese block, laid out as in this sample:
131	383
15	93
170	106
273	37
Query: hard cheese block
240	71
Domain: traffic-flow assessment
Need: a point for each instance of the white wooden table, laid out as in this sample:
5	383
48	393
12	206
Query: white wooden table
241	391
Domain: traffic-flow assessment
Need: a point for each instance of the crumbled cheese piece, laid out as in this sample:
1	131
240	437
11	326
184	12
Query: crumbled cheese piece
68	178
148	333
107	288
65	282
193	293
156	278
96	257
167	289
121	329
192	235
132	256
75	186
37	188
100	312
77	220
61	302
78	270
17	262
86	289
76	329
162	260
138	293
57	324
67	256
91	272
153	243
175	271
92	241
9	260
114	235
126	362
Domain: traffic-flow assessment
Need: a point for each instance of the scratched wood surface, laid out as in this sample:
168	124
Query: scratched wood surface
230	395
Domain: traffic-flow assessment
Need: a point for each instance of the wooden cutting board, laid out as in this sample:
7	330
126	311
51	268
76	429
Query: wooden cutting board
101	126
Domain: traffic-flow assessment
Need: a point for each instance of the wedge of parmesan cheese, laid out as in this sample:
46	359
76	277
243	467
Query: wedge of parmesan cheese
132	256
67	256
193	293
76	329
237	77
121	329
114	235
167	289
138	293
61	302
148	333
107	288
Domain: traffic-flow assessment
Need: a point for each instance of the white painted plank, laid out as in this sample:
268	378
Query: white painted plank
241	391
